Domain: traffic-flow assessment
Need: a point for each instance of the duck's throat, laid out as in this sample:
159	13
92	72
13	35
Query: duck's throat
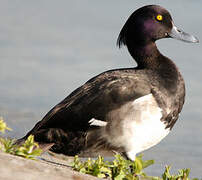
146	55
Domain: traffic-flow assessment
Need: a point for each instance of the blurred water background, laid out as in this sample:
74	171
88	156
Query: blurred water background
48	48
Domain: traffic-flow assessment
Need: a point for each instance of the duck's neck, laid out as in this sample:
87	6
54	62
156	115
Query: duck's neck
146	55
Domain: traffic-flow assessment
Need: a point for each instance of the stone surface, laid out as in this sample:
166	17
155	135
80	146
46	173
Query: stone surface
48	167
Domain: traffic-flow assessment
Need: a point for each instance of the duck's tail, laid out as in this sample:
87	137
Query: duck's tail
43	146
57	140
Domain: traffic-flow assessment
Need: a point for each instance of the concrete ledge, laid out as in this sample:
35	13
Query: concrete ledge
14	167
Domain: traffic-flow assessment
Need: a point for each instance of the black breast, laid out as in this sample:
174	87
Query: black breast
168	88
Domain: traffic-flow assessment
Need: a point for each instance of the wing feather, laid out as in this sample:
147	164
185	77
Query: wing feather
95	99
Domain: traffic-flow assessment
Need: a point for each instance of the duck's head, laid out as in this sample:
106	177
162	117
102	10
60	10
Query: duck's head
149	24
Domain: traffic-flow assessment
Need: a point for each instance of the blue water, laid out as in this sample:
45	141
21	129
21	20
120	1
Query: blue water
49	48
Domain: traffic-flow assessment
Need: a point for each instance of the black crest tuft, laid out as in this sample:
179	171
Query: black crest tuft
122	37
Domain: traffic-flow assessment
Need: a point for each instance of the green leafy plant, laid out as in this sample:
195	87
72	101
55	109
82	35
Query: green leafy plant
96	167
118	169
7	145
122	169
29	149
183	174
3	126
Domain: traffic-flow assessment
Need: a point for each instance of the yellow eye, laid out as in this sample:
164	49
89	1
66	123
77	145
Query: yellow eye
159	17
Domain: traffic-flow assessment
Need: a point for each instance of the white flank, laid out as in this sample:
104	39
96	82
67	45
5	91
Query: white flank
95	122
143	128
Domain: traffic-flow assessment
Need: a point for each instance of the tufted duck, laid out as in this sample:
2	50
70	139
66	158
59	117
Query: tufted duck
123	110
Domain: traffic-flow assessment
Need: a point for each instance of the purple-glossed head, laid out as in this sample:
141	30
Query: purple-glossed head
150	23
